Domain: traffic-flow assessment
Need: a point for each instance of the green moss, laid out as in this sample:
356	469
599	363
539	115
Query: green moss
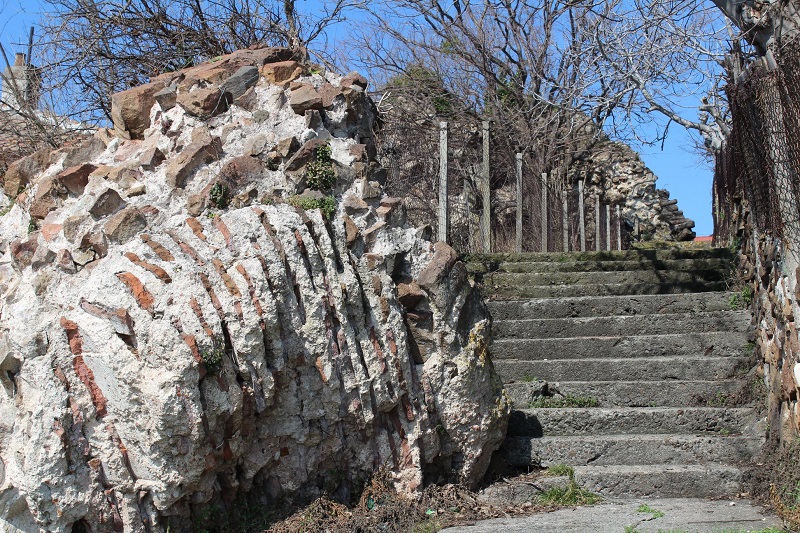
552	402
327	204
213	358
219	195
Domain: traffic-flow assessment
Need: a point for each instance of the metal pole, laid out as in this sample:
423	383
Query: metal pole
565	220
444	212
619	230
582	217
518	244
608	227
597	223
544	212
486	227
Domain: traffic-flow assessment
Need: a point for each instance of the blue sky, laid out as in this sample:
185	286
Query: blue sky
678	169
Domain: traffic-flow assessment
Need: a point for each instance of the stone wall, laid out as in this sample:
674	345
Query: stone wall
217	297
615	172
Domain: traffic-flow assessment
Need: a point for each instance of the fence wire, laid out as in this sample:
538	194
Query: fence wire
758	166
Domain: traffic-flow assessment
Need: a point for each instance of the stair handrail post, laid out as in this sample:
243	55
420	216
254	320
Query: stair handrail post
619	228
565	219
582	216
518	241
597	223
442	233
608	227
485	189
544	212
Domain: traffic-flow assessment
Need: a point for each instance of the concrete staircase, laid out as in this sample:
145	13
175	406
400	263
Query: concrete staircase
650	337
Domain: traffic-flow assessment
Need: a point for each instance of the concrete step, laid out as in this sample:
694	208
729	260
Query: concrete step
663	254
549	328
716	344
513	279
629	420
603	450
721	265
616	369
667	481
518	291
631	393
586	306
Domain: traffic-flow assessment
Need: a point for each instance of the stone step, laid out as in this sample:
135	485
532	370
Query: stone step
623	369
662	254
629	420
512	279
720	265
665	481
716	344
603	289
549	328
603	450
586	306
631	393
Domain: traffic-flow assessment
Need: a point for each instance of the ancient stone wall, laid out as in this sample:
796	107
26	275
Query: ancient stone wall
615	172
216	298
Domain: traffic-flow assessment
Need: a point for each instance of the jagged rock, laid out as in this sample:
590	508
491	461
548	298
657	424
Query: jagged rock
257	348
354	78
202	151
20	172
305	97
75	178
130	110
125	225
107	202
204	102
151	158
167	97
239	82
282	72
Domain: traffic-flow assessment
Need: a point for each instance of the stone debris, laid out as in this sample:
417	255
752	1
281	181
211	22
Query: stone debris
249	339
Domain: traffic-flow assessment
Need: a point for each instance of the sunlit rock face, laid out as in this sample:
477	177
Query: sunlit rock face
180	321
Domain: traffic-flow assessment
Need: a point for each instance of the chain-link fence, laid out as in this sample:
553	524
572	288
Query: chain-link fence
759	163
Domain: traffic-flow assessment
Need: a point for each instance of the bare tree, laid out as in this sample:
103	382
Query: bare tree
93	48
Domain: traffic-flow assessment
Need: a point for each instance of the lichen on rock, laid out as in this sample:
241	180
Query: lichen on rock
165	345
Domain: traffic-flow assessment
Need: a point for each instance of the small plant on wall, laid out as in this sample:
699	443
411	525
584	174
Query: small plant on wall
320	174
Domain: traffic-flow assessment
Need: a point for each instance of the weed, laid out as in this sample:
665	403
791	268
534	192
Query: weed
560	470
720	400
571	495
213	358
725	432
32	225
631	529
326	204
568	400
527	378
219	195
428	526
644	508
320	174
748	349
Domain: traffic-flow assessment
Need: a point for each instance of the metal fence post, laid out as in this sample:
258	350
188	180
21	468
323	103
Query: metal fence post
608	227
597	223
544	212
444	212
582	217
486	216
518	243
565	220
619	230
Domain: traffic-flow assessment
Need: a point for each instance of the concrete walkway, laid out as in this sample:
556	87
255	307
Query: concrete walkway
689	515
